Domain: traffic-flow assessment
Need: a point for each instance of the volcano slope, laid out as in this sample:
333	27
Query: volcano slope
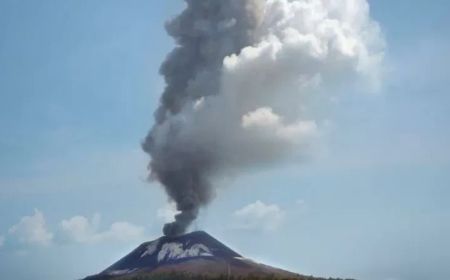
195	255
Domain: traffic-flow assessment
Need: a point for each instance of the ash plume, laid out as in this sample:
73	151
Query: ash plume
244	86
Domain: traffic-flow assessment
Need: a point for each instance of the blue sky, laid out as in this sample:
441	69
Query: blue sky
78	86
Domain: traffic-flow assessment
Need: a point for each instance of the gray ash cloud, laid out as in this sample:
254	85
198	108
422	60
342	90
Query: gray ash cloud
241	84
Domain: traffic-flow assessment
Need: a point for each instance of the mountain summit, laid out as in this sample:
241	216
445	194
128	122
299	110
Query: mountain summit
195	255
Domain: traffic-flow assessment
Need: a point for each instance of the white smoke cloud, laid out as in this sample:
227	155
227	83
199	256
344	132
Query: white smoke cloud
80	229
167	212
247	87
264	110
32	230
259	216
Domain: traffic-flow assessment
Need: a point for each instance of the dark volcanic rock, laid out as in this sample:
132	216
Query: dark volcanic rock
172	250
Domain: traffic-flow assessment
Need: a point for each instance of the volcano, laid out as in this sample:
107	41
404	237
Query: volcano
196	255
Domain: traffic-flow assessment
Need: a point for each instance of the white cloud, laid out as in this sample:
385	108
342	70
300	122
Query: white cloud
32	230
259	215
123	231
167	212
79	228
82	230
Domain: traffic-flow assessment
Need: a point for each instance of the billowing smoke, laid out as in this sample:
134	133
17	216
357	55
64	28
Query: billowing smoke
243	85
